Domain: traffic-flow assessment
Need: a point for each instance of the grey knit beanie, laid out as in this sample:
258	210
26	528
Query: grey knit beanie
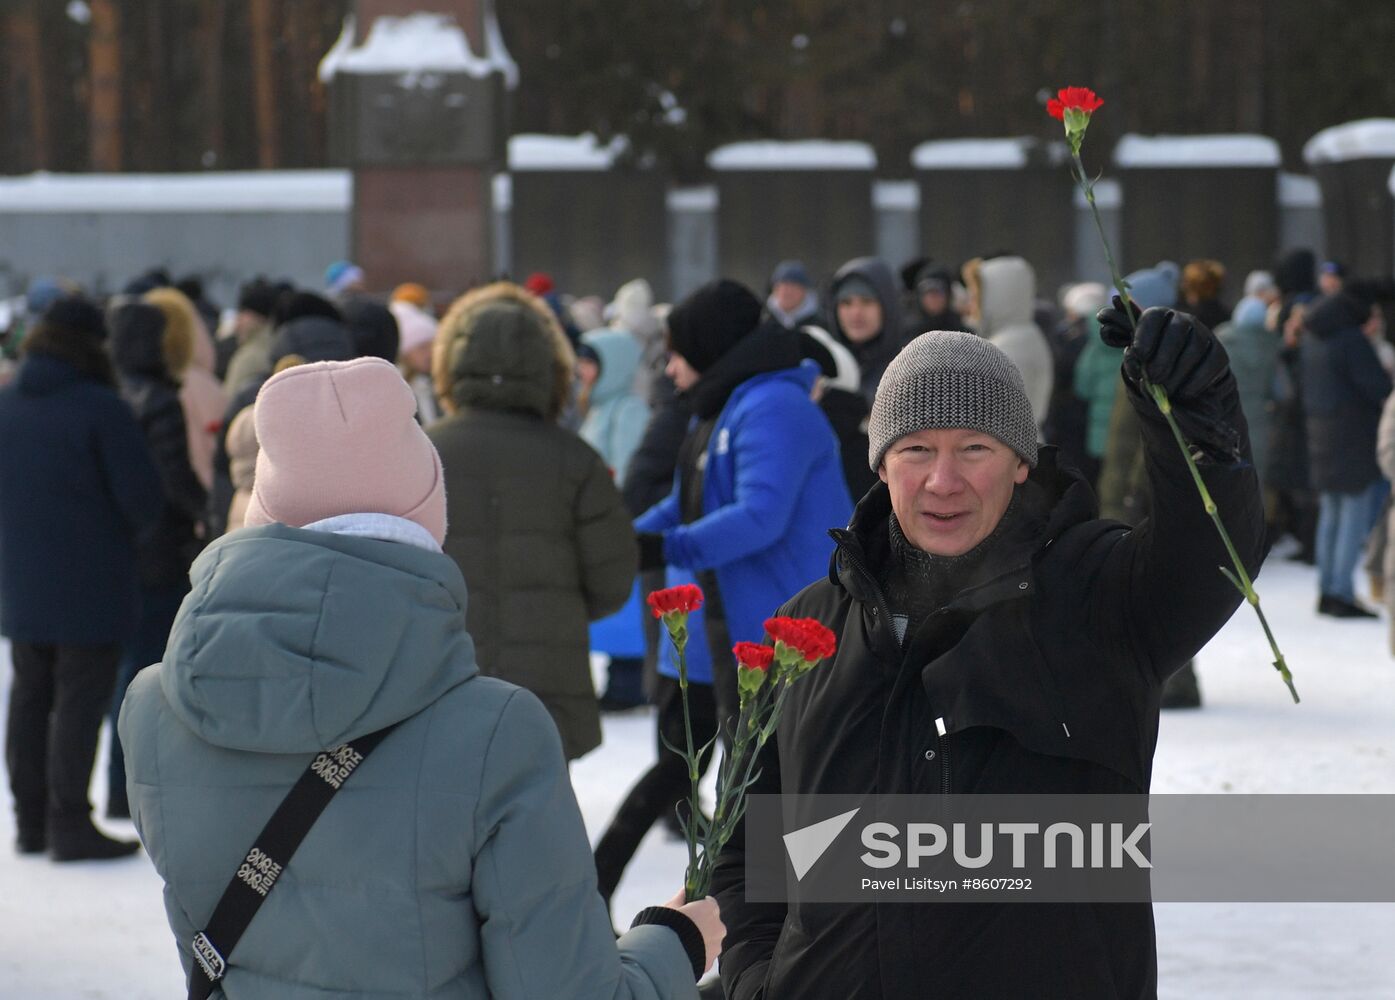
948	380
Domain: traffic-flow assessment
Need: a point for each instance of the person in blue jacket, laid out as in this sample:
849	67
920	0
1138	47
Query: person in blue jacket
758	486
78	490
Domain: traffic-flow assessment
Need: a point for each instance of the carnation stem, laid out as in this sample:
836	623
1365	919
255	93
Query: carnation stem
1240	578
690	755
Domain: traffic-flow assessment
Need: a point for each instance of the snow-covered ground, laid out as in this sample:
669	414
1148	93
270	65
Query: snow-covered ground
98	930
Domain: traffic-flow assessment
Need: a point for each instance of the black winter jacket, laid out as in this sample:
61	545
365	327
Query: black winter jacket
166	550
1344	390
1046	670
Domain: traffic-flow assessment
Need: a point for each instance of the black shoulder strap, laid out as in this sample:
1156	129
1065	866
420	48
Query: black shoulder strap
274	847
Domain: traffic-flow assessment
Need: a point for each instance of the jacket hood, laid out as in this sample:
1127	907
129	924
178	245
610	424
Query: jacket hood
846	374
1007	291
1249	311
634	310
501	348
137	340
314	338
619	352
1334	313
877	273
355	635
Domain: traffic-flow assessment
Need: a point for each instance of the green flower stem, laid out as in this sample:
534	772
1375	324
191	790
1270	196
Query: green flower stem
1088	187
690	755
749	740
1239	578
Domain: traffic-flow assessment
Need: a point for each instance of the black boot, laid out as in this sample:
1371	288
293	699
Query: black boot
1340	607
31	840
76	839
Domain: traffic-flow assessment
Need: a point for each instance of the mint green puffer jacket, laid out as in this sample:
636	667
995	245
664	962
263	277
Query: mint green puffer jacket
453	865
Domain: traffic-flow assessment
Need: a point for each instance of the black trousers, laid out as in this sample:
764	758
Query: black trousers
59	697
663	787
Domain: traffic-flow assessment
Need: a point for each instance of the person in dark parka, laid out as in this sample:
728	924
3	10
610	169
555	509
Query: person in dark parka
1344	390
996	636
165	551
77	486
536	523
1294	505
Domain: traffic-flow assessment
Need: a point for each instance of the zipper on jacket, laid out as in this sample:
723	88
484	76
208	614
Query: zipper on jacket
880	608
944	763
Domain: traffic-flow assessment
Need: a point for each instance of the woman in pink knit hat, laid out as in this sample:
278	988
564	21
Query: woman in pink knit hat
457	858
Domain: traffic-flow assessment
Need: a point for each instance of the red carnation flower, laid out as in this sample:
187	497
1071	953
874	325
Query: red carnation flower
1073	99
810	638
753	655
682	599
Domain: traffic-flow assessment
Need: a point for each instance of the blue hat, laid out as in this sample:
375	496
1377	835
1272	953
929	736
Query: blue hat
1154	286
340	275
1249	311
792	271
42	293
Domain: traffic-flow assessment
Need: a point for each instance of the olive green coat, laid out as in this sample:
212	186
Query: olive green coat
537	526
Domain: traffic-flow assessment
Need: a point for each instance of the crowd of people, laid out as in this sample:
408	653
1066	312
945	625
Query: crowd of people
292	505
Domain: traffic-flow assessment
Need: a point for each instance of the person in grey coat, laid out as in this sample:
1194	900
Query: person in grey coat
454	865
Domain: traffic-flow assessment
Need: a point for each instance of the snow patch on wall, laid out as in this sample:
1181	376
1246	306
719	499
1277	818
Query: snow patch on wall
810	154
972	154
1153	151
530	151
243	191
1367	139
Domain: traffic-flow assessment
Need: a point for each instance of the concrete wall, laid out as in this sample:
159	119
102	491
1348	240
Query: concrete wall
103	245
105	249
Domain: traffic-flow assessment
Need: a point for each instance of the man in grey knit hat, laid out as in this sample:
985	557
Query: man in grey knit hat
995	636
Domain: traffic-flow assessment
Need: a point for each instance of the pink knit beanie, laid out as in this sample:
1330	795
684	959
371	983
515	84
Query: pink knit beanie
338	437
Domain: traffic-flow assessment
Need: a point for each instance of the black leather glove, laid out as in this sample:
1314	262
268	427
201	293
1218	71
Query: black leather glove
1178	353
651	551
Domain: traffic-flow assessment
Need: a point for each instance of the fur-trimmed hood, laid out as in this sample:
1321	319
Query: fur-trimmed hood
501	348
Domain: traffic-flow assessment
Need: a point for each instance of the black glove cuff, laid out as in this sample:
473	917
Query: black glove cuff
651	551
688	934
